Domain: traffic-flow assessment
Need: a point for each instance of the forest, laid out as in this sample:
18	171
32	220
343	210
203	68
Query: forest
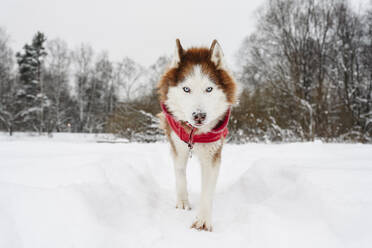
305	73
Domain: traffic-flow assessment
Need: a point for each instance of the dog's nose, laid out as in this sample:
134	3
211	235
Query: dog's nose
198	116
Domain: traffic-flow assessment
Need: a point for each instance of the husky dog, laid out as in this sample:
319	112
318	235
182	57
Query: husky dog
196	94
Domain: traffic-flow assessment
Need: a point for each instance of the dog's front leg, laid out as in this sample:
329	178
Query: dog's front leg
210	166
180	158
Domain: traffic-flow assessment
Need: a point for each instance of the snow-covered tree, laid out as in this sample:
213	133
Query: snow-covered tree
353	66
304	63
31	95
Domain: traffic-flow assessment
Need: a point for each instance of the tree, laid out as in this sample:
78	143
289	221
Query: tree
366	60
57	89
82	60
306	54
135	118
129	76
101	94
8	114
150	97
31	94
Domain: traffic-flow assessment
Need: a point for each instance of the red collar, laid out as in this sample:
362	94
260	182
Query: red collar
190	138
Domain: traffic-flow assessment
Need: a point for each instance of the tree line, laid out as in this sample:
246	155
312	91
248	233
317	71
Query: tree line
305	72
47	87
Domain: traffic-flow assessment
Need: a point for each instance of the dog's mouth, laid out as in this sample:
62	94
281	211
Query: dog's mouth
198	124
199	119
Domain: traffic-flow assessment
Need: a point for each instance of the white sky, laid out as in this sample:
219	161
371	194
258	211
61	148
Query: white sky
142	30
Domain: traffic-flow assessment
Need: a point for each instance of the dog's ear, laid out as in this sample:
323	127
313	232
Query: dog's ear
217	56
177	54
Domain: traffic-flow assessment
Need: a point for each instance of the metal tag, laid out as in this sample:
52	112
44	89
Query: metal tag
190	153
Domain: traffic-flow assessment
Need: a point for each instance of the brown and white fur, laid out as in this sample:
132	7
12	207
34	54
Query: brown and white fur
185	88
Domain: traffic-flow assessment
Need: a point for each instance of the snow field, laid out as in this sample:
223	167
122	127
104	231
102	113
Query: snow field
69	191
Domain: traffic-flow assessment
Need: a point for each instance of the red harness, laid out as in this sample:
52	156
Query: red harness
190	138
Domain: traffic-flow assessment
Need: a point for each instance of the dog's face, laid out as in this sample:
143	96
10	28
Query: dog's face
197	88
197	99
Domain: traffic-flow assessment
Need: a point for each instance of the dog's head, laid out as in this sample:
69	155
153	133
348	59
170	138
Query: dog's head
197	87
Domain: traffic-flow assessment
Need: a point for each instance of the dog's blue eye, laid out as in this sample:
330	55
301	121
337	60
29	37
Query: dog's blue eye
186	89
209	89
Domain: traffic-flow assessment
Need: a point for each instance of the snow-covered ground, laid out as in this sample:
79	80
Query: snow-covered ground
70	191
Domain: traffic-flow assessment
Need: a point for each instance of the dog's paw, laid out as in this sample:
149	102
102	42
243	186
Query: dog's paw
202	224
183	204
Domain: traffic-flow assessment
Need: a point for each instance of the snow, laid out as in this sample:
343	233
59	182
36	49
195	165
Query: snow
70	191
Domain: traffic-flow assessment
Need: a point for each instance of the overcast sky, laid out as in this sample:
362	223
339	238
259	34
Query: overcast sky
142	30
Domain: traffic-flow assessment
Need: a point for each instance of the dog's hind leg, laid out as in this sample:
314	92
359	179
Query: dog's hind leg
180	158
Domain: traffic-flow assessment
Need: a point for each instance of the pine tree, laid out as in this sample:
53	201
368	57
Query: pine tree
31	97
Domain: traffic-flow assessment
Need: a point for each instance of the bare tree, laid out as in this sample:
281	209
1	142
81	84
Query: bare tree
101	94
300	53
82	59
57	72
8	111
127	76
